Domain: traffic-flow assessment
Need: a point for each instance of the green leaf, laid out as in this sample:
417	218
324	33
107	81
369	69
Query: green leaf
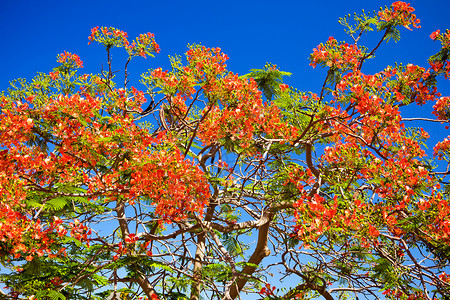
101	280
393	33
268	79
442	55
52	294
233	247
56	204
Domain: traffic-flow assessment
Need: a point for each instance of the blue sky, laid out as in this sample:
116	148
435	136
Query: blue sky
250	32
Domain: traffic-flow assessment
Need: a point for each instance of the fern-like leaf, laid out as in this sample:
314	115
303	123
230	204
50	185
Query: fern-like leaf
57	204
268	79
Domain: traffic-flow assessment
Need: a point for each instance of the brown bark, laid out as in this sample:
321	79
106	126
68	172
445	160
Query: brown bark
143	283
146	286
140	279
199	255
261	251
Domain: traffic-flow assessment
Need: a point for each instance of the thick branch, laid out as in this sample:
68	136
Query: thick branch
307	285
199	257
140	279
143	283
261	251
308	149
120	211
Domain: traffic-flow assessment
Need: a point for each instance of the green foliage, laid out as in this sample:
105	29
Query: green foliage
442	55
232	245
391	32
50	295
268	79
363	23
217	272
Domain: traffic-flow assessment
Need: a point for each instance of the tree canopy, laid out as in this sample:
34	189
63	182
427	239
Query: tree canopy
203	184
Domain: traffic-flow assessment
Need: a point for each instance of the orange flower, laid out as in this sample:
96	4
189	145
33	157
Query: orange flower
54	75
373	231
435	34
283	87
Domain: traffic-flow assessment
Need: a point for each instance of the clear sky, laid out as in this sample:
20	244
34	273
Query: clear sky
251	33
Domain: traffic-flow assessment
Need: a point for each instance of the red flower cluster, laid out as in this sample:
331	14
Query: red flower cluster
205	60
101	34
442	108
400	13
175	186
143	45
79	231
70	59
441	64
435	35
442	148
336	55
267	290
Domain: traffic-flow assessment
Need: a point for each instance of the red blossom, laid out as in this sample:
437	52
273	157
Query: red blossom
336	55
54	75
435	34
373	231
70	59
267	290
283	87
400	13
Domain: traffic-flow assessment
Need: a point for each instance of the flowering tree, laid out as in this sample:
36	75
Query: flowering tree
203	183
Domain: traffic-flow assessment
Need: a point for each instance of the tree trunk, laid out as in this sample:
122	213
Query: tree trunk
261	251
199	255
